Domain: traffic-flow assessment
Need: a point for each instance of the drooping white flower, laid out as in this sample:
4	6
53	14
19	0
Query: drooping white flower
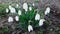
47	10
41	22
30	8
25	6
17	5
7	10
37	17
12	10
17	18
10	19
33	4
19	12
30	28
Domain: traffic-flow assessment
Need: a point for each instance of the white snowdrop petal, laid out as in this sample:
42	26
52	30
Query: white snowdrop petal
33	4
47	10
17	18
10	6
17	5
10	19
7	10
30	28
30	8
37	17
12	10
41	22
25	6
19	12
26	10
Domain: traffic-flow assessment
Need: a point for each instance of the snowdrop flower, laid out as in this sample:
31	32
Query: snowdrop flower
30	8
25	6
41	22
10	6
30	28
19	12
17	18
47	10
37	17
7	10
33	4
10	19
12	10
17	5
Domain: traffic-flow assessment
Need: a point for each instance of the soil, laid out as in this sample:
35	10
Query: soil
54	19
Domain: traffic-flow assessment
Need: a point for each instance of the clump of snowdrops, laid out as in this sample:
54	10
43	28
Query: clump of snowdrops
27	16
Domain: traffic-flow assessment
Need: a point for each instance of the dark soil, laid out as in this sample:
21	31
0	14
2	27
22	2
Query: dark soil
53	17
52	28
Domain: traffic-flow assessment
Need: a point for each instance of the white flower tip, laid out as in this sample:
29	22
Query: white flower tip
30	28
41	22
10	6
17	18
33	4
30	8
47	10
10	19
12	10
26	10
7	10
17	5
37	17
25	6
19	12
